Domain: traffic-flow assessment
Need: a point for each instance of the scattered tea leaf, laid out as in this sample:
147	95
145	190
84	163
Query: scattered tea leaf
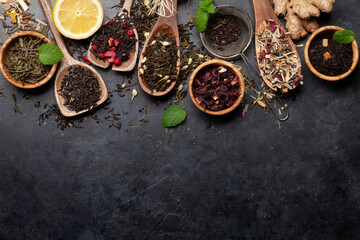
16	108
50	54
344	36
173	116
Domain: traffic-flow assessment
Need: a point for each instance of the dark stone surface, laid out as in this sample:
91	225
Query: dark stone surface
242	179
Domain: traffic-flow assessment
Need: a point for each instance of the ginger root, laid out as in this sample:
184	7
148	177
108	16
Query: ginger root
301	15
280	7
294	25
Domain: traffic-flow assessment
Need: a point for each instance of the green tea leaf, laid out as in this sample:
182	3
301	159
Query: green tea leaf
201	19
50	54
173	116
211	9
344	36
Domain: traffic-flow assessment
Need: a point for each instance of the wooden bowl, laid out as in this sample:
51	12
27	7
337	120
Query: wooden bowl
332	29
3	55
234	69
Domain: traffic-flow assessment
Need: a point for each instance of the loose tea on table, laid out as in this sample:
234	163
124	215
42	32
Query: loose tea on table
332	60
80	89
23	62
159	67
216	88
115	40
224	30
280	66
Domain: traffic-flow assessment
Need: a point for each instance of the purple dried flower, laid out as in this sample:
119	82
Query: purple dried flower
216	88
273	28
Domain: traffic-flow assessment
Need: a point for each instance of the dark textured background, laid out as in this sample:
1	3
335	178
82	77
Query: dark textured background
241	179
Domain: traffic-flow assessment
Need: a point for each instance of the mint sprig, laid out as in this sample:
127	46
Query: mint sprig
203	13
173	116
50	54
344	36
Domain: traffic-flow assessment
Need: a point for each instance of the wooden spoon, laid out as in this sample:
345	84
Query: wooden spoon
171	23
66	63
125	66
264	12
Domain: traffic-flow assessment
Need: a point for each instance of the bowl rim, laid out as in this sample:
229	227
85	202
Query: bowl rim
4	70
218	62
320	75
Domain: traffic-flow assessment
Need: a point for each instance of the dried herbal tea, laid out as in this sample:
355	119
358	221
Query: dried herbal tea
216	88
333	59
80	89
115	40
15	13
23	63
144	20
224	30
159	62
279	65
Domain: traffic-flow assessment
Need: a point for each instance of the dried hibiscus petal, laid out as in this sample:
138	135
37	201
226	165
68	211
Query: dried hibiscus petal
216	88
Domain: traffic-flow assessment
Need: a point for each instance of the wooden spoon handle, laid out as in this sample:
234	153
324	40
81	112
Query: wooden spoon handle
45	5
263	11
171	21
127	5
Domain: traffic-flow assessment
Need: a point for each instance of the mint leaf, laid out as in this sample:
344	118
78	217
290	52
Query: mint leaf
201	19
211	9
202	14
205	4
173	116
50	54
344	36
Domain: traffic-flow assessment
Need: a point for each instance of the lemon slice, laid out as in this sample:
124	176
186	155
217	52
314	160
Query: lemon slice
77	19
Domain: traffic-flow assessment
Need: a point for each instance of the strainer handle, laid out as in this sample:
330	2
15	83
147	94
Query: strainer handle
281	115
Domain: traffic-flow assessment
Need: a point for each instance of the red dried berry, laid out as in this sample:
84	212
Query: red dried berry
117	61
86	59
130	33
116	42
101	55
94	48
111	21
124	25
113	48
110	42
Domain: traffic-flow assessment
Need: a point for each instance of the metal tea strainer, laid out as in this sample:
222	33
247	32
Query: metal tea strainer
238	48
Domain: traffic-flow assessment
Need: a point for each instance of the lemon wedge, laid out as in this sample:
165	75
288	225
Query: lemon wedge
77	19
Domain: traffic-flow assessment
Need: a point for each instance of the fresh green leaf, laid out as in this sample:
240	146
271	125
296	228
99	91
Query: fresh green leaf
50	54
201	19
206	2
203	5
173	116
344	36
211	9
